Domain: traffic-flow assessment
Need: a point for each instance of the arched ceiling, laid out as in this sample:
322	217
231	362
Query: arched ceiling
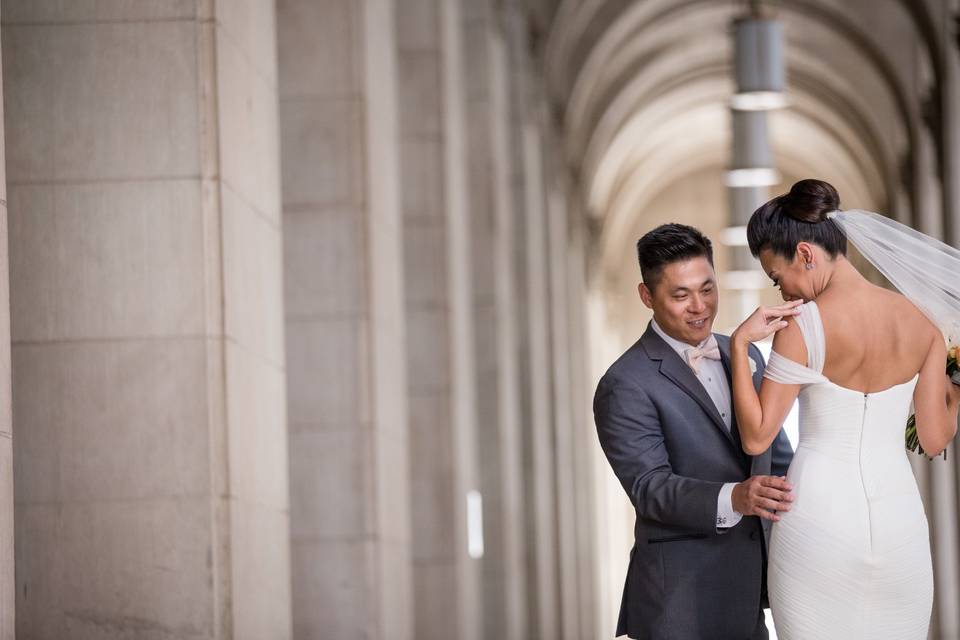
643	88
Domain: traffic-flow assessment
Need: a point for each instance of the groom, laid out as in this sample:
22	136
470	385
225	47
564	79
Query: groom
665	419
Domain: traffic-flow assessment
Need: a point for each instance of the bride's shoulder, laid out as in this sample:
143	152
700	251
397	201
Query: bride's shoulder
807	311
789	341
868	296
904	310
902	314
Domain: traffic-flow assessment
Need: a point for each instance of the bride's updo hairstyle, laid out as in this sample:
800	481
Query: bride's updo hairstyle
795	217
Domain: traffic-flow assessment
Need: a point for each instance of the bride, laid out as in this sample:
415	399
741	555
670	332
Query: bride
851	559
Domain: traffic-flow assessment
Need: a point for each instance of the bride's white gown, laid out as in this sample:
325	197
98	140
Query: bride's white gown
851	559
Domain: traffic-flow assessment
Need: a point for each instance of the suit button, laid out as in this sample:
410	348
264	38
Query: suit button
753	535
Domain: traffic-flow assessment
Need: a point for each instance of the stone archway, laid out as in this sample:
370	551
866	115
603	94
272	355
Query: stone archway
643	91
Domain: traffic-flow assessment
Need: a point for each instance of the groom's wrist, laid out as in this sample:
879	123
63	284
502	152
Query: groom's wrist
736	497
727	514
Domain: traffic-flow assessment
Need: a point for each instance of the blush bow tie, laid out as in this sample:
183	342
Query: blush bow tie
694	355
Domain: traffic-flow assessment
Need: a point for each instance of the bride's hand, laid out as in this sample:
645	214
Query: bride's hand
766	321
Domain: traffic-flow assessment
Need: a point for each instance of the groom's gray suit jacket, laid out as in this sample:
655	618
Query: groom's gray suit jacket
669	447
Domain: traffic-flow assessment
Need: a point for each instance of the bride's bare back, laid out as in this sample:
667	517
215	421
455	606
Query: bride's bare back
875	338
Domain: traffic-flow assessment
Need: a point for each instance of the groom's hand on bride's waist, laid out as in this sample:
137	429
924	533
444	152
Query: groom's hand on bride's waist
762	496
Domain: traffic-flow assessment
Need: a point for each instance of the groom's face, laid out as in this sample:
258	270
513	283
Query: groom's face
684	299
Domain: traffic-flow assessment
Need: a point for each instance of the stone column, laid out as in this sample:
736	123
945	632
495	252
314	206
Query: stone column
951	187
343	286
565	482
532	330
540	479
440	322
478	16
507	579
584	435
937	478
496	304
146	304
950	110
7	589
944	476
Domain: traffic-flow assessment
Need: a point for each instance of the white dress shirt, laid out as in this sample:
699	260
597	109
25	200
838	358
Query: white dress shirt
713	377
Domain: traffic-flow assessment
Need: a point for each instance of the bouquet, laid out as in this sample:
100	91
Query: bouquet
953	372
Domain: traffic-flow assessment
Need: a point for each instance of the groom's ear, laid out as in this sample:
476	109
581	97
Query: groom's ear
645	295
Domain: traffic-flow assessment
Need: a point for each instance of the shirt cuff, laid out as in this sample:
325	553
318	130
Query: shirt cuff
726	516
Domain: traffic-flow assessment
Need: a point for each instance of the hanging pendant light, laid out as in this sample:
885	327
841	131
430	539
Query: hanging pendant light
758	65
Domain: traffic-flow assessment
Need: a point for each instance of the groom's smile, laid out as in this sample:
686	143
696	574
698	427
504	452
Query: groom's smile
684	299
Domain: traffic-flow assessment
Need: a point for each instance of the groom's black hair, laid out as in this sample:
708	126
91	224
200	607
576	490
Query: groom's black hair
670	243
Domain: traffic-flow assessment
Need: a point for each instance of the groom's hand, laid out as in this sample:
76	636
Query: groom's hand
762	496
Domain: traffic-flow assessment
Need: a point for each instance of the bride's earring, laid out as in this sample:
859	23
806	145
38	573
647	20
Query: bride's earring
808	266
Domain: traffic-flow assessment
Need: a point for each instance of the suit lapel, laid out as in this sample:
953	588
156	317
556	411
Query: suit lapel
673	367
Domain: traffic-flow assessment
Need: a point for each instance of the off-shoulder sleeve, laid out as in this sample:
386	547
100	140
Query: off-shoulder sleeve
786	371
811	327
